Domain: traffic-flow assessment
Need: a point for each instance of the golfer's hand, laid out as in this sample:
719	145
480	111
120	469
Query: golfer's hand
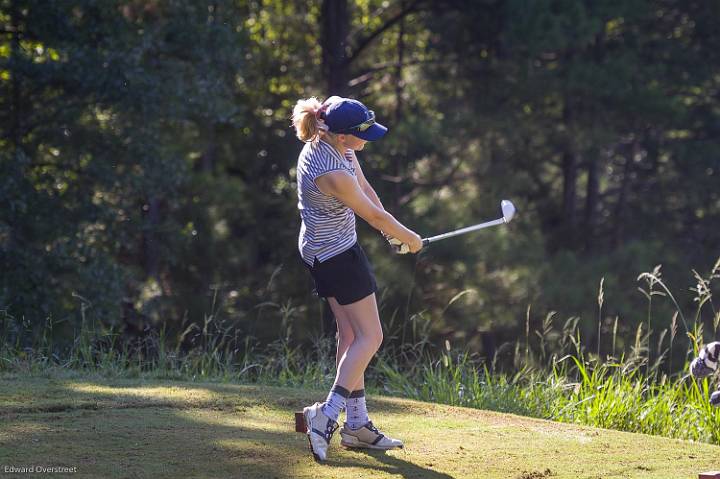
398	246
404	248
416	244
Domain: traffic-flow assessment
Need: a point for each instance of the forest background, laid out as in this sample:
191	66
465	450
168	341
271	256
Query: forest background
147	163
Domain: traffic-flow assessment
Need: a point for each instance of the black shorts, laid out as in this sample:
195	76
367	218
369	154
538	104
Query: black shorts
348	277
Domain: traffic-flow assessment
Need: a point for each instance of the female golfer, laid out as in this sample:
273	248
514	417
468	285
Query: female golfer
331	191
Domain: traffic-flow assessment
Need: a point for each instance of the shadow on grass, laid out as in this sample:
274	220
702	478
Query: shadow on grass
52	396
226	431
393	465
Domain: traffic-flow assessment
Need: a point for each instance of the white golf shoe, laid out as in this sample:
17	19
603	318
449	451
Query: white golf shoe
320	429
368	437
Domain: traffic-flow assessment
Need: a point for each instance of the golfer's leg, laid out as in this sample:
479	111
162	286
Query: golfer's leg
345	338
364	320
321	416
356	413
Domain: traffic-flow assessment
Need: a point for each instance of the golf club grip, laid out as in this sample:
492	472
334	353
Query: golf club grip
425	241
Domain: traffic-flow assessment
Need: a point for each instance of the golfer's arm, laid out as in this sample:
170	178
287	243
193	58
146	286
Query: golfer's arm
365	184
370	193
346	189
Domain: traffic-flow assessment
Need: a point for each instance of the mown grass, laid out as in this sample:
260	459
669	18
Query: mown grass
554	377
124	428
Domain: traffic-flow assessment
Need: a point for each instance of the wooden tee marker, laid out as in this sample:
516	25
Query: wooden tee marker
709	475
300	425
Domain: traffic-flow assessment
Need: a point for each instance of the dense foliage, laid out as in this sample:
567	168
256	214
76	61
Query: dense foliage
147	160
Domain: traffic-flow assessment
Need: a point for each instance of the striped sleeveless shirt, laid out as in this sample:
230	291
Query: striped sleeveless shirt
328	226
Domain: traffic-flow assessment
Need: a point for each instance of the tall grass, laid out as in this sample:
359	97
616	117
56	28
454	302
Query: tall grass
633	392
554	375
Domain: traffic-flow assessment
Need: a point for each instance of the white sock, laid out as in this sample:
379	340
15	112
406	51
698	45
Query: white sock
335	402
356	410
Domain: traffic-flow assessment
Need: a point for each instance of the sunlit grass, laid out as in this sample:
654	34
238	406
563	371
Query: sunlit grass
145	392
247	431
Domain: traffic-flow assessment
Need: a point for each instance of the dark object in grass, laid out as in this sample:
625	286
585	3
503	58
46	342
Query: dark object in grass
300	422
709	475
699	369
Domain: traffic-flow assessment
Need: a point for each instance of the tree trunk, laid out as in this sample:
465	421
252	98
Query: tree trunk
619	230
151	253
207	159
570	173
399	87
570	169
399	71
206	162
591	203
335	23
14	74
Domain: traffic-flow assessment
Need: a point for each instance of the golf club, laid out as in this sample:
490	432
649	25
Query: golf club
508	211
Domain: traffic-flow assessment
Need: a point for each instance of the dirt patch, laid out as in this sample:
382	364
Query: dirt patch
536	474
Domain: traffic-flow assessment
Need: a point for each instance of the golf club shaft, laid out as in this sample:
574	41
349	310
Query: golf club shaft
462	231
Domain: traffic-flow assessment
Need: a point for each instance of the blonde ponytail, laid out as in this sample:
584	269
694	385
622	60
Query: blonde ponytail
304	119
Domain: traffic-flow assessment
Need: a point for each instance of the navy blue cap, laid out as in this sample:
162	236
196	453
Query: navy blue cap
350	117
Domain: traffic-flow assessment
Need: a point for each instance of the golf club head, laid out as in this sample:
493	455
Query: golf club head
508	210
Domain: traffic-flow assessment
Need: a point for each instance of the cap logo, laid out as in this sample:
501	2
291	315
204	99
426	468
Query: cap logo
367	123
